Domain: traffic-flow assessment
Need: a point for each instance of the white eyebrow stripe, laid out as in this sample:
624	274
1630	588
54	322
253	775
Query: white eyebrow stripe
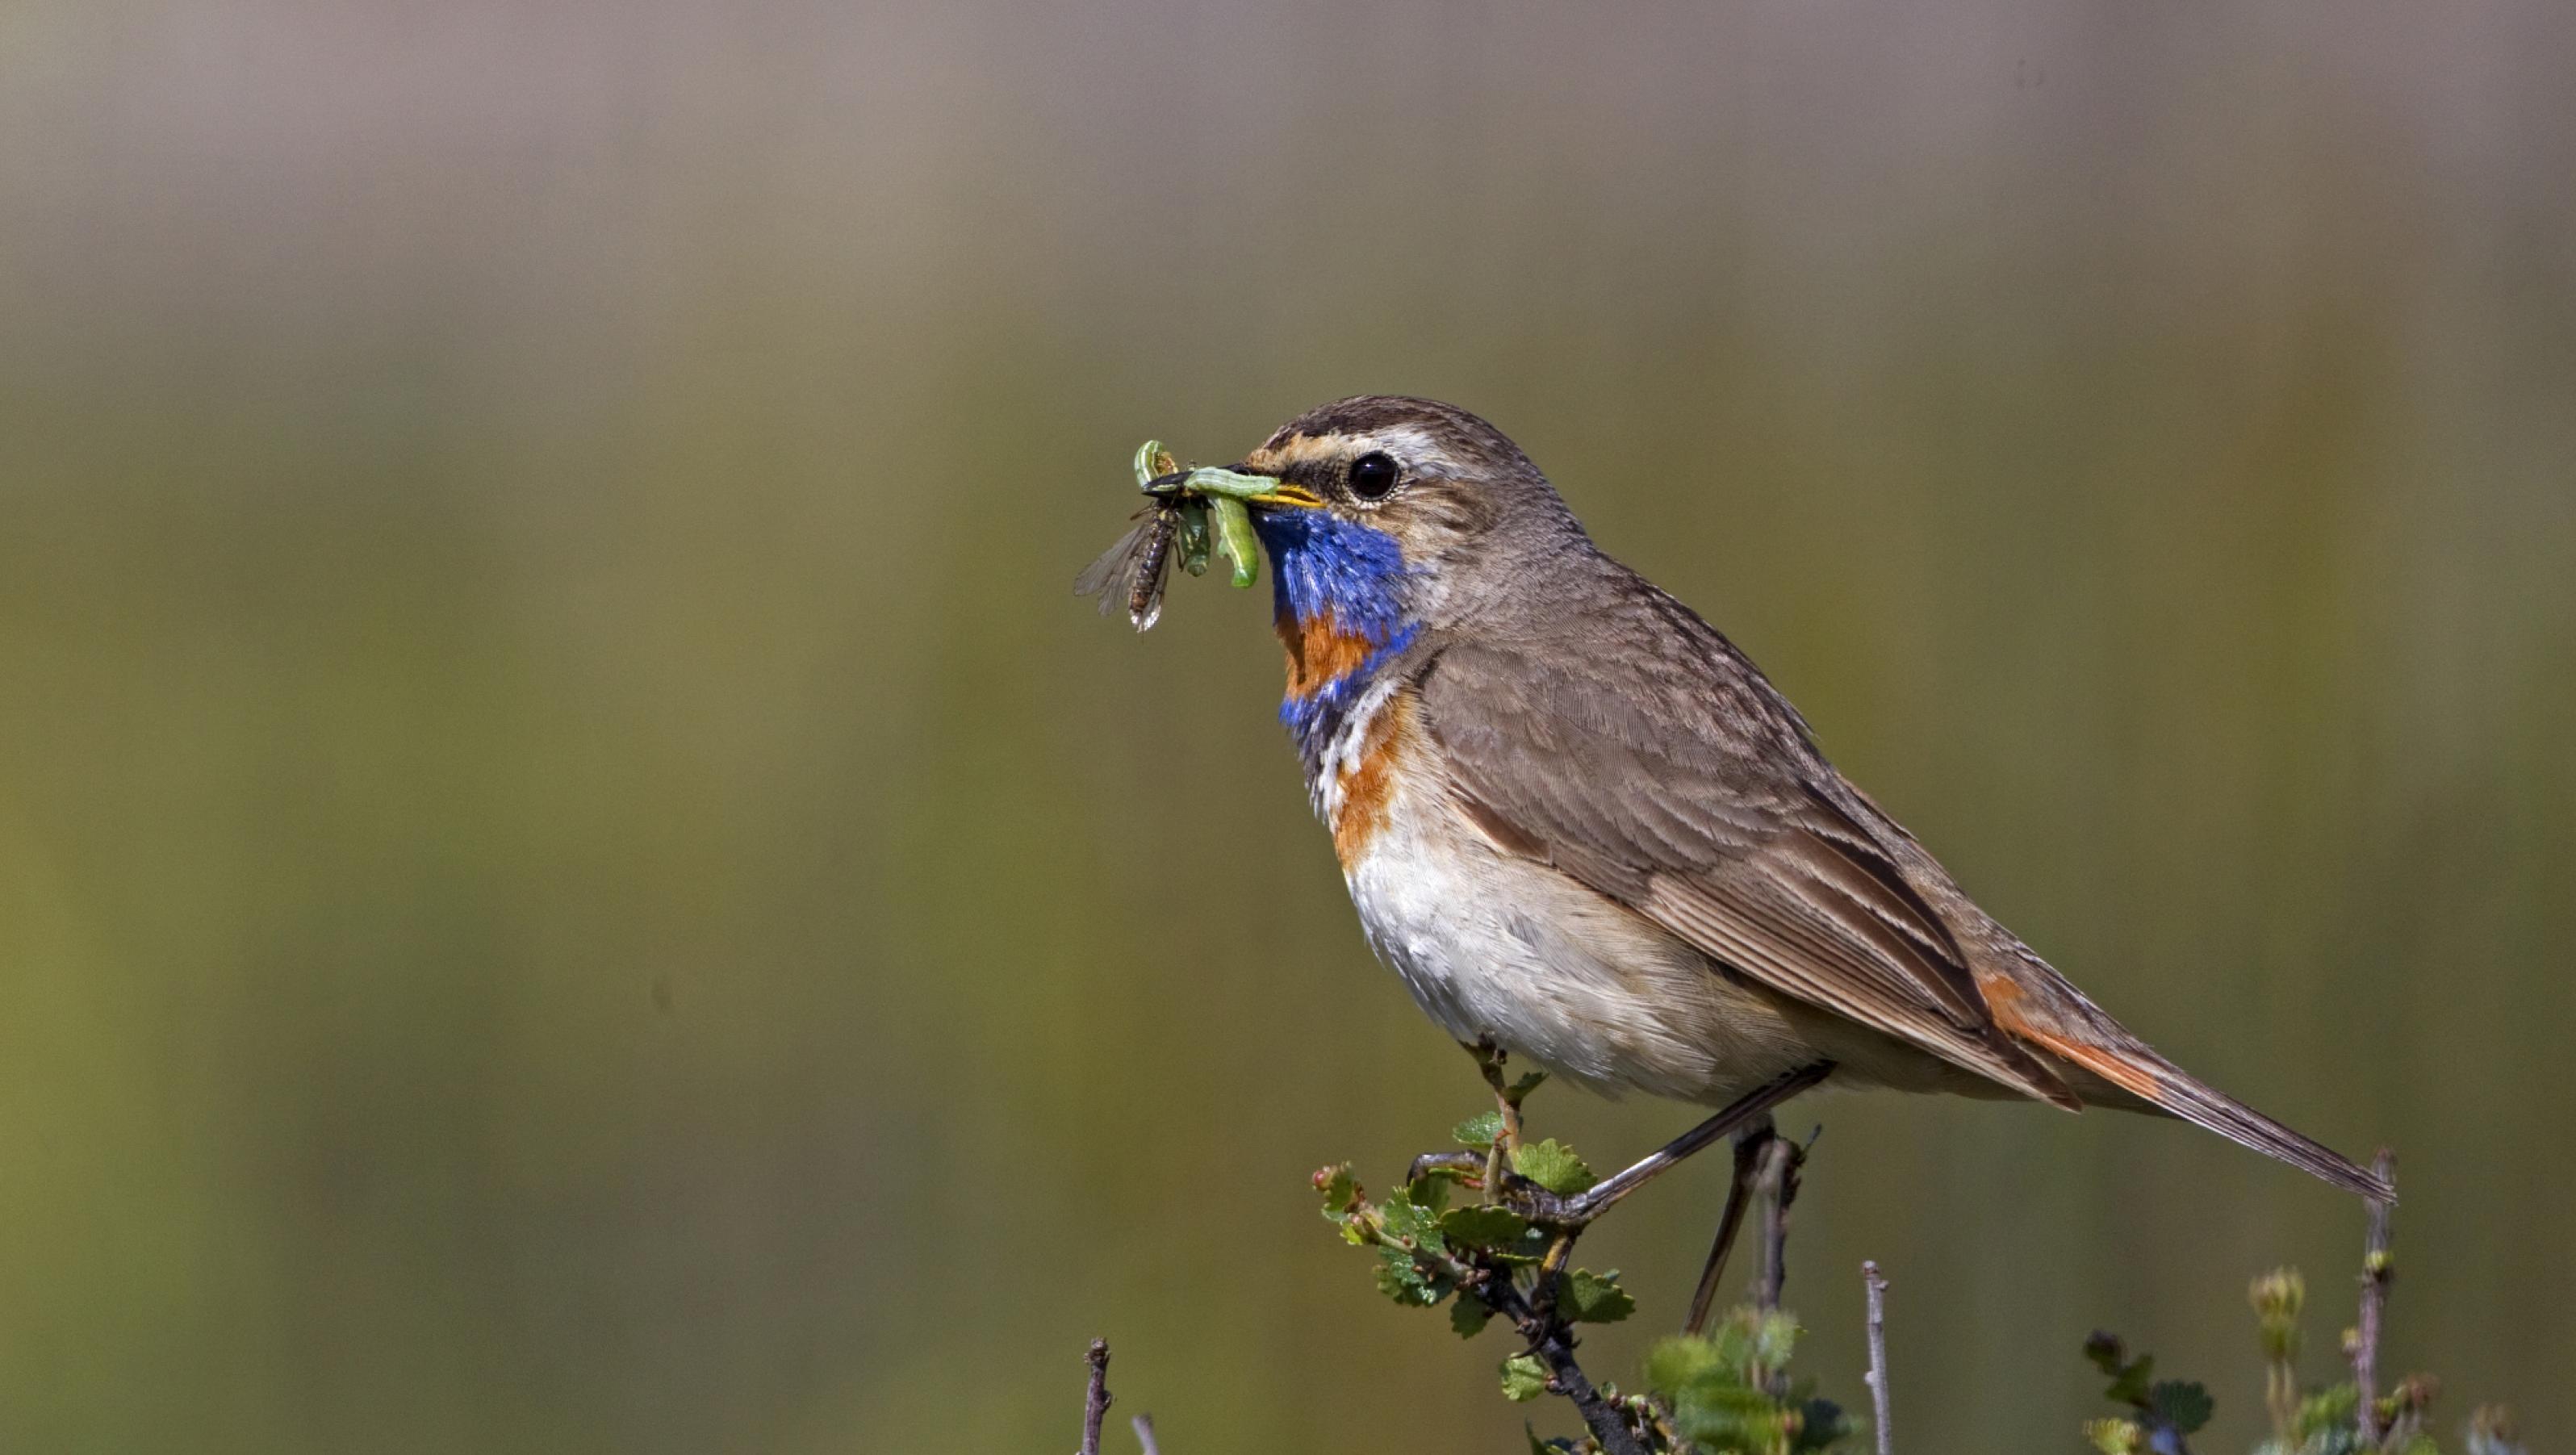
1410	443
1297	450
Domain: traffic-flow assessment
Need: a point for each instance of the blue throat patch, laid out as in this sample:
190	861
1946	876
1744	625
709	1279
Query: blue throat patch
1323	565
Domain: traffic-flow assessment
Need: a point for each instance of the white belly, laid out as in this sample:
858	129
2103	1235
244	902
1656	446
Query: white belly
1498	947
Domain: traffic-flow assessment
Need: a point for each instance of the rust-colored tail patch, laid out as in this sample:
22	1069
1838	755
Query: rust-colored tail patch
2159	1083
2134	1077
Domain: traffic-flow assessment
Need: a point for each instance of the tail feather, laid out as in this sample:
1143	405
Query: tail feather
2168	1088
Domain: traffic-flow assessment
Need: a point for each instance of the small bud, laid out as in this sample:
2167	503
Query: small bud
2281	1293
2491	1432
2278	1297
2415	1393
2116	1437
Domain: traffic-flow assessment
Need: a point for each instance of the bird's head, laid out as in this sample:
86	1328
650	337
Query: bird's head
1391	513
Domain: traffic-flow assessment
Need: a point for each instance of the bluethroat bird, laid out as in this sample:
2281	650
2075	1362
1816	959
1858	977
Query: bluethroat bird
1586	830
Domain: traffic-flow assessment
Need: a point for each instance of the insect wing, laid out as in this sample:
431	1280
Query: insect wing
1152	570
1138	566
1116	563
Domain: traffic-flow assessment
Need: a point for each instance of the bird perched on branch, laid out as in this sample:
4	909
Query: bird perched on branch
1585	829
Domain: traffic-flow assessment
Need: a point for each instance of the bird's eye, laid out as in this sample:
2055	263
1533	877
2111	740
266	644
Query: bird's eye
1373	475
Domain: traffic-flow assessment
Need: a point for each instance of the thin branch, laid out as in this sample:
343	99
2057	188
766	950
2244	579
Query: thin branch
1095	1405
1551	1341
1777	1179
1489	1063
2378	1270
1145	1434
1877	1376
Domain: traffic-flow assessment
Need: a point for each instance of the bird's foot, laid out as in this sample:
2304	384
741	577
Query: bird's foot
1466	1167
1504	1188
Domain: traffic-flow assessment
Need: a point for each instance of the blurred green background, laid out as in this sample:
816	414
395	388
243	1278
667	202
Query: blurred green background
571	877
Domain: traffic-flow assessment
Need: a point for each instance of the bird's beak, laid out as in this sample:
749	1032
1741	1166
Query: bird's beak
1211	480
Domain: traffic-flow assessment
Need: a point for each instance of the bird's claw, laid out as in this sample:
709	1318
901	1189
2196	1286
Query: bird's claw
1556	1211
1471	1166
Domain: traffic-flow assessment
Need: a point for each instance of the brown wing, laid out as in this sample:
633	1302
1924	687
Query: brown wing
1662	771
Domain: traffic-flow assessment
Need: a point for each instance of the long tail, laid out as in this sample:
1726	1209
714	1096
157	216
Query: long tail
2139	1071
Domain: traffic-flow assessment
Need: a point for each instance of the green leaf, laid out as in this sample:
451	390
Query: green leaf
2130	1385
1519	1091
1586	1297
1480	1130
1404	1278
1557	1446
1410	1221
1733	1338
1775	1338
1524	1378
2181	1403
1468	1316
1730	1417
1552	1165
1678	1362
1483	1227
2330	1408
1429	1192
2104	1349
1339	1190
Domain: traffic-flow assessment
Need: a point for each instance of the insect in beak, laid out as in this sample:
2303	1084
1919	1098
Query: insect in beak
1194	513
1227	494
1213	483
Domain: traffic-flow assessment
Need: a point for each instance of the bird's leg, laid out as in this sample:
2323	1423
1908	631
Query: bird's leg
1553	1210
1750	1141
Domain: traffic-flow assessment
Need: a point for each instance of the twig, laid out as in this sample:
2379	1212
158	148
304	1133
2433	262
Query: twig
1095	1405
1877	1376
1551	1341
1145	1434
1777	1178
2378	1269
1489	1063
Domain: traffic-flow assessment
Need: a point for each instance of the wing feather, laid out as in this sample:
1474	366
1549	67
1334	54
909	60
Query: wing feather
1687	790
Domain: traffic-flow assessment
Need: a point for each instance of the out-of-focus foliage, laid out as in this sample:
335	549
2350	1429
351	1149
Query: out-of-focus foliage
1729	1393
573	879
2306	1419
